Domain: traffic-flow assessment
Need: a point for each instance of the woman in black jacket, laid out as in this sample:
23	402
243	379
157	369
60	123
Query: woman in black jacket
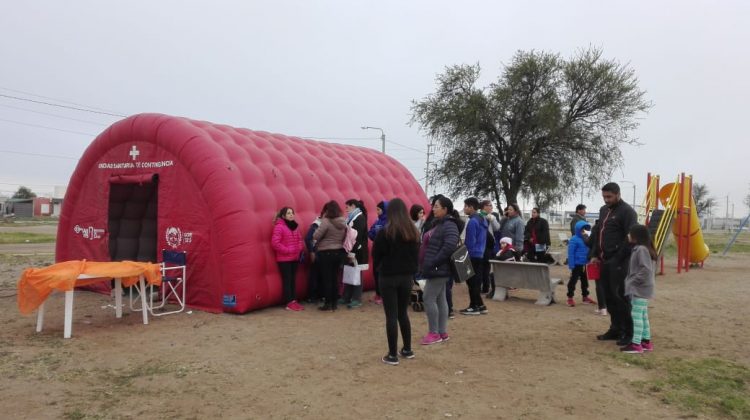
394	254
536	237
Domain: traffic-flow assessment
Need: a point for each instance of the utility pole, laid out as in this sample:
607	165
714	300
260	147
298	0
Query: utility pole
382	136
430	145
726	216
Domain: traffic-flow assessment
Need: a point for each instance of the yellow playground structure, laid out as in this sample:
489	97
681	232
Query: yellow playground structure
678	215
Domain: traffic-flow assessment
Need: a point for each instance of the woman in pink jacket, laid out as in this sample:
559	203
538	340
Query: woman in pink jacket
286	241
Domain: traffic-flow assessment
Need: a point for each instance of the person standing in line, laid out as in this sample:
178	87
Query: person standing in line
286	242
329	240
639	288
379	224
493	227
359	256
476	241
314	293
437	246
612	251
578	256
416	212
578	216
512	226
536	237
395	254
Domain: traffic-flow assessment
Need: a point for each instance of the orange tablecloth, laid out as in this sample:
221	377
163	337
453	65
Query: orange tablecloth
36	284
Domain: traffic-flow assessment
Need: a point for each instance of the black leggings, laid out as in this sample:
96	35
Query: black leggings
329	264
396	293
288	270
578	273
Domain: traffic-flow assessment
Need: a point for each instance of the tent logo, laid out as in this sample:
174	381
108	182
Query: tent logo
89	233
173	236
134	152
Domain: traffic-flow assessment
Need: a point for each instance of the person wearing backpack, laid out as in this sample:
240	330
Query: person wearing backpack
358	254
379	224
329	239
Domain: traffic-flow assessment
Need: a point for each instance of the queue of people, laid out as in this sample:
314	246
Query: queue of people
408	244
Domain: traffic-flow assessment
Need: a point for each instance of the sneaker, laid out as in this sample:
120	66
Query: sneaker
624	340
406	354
603	312
341	301
354	304
571	302
609	335
325	308
483	310
588	301
632	348
445	336
377	300
294	306
470	311
390	360
451	315
431	338
647	345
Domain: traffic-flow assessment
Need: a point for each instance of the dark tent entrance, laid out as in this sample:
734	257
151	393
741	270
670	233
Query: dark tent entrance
133	204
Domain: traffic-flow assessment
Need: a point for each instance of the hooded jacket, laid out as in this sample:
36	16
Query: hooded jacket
286	240
380	223
640	279
330	234
441	243
578	252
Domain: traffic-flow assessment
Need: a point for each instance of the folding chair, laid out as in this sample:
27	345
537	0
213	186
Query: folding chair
173	280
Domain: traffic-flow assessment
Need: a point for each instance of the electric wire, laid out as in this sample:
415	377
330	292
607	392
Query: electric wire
62	106
48	128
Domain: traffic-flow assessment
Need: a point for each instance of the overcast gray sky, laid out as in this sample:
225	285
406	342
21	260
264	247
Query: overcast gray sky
325	68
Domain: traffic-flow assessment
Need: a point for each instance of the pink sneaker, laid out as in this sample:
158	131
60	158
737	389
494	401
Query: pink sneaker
294	306
378	300
647	345
571	302
632	348
445	336
588	301
431	338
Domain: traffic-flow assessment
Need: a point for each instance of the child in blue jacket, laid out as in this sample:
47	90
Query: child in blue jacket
578	256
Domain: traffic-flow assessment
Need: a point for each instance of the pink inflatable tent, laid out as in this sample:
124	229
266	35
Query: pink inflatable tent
153	182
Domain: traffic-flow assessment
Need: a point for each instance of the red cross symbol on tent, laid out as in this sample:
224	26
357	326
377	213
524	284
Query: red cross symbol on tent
134	152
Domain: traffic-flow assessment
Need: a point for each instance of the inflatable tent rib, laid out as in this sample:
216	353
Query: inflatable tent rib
153	182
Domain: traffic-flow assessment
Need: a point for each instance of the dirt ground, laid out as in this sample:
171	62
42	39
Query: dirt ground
519	361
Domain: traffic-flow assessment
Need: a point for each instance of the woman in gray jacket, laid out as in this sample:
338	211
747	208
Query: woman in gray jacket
639	288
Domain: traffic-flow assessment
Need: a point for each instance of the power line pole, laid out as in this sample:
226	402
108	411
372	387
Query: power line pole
427	167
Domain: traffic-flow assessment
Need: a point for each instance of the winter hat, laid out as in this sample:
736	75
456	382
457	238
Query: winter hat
506	240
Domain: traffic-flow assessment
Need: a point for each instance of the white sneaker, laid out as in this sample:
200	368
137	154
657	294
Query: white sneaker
602	312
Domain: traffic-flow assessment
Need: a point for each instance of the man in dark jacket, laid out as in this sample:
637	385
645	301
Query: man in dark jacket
611	249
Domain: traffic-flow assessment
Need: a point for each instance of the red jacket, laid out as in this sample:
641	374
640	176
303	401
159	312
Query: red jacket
285	242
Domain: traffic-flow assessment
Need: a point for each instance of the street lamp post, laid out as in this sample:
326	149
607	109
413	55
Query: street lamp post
382	136
633	184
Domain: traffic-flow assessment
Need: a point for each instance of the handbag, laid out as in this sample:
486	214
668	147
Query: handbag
352	275
461	264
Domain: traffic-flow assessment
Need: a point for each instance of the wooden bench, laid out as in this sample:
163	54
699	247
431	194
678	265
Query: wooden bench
523	275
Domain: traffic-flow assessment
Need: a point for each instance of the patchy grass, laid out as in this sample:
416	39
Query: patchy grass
25	238
713	387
